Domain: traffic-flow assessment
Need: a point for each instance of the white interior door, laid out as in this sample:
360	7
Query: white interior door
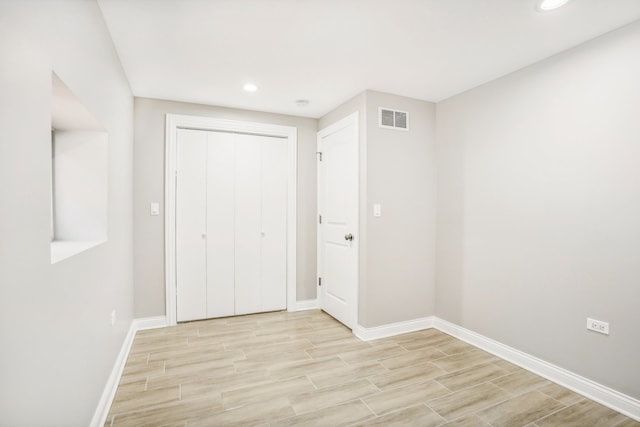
248	225
273	275
338	231
231	224
221	159
191	225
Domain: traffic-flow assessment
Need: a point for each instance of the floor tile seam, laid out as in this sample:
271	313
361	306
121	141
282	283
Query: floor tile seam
525	390
472	366
554	412
434	410
466	366
143	409
551	397
423	402
375	415
321	389
506	373
491	405
477	413
436	359
470	387
438	382
190	381
409	385
323	408
373	384
460	352
409	366
501	388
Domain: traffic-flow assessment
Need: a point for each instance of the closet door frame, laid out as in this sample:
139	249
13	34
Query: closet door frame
179	121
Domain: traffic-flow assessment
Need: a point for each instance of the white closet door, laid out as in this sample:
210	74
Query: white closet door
273	276
248	225
191	204
220	224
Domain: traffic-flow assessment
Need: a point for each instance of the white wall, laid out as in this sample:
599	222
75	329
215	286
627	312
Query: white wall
149	187
397	170
58	346
539	208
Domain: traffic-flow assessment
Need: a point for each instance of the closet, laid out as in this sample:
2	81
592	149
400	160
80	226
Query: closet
231	224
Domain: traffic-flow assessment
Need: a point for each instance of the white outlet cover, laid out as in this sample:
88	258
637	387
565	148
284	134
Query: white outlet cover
598	326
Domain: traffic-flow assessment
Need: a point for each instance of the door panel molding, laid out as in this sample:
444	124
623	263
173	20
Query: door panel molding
179	121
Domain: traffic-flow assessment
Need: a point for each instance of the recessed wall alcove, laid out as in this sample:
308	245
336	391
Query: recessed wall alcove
79	147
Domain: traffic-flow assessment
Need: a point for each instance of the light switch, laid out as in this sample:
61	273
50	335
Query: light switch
377	210
155	209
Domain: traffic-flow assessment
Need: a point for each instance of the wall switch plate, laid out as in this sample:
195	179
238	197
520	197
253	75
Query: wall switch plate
598	326
377	210
113	317
155	209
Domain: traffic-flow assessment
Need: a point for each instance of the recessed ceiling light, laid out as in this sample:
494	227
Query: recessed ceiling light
250	87
547	5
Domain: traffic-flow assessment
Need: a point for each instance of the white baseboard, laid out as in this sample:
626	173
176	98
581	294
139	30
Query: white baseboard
368	334
613	399
102	411
100	415
149	323
310	304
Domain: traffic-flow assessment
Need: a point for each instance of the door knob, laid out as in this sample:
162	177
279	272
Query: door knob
348	237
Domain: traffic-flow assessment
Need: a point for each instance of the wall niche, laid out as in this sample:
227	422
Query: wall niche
79	151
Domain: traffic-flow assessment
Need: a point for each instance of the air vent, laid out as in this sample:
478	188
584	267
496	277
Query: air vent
393	119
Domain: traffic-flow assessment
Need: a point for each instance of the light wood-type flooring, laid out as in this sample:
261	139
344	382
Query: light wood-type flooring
306	369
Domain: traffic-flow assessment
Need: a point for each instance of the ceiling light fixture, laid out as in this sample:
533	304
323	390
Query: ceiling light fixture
302	102
250	87
547	5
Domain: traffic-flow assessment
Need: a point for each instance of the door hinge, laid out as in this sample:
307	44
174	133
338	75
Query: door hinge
319	153
319	219
319	281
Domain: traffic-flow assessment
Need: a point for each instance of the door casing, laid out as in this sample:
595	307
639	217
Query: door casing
179	121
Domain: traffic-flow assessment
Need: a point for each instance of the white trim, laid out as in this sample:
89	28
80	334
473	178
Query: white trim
392	329
351	119
613	399
310	304
102	411
176	121
150	323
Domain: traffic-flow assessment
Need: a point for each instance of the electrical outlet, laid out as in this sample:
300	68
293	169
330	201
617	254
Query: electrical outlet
598	326
113	317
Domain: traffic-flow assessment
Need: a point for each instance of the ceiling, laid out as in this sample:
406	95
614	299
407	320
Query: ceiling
326	51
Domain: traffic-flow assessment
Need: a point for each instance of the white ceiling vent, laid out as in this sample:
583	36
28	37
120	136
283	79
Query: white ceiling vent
393	119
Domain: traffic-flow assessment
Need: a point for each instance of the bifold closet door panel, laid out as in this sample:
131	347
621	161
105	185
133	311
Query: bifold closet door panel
220	224
191	208
247	227
274	223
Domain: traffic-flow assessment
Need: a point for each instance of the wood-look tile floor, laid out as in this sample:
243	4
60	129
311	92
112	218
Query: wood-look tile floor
306	369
